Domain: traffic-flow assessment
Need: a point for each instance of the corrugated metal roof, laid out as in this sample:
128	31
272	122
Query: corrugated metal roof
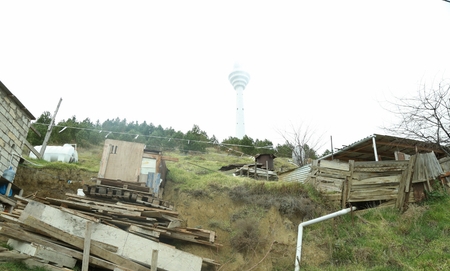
363	150
296	175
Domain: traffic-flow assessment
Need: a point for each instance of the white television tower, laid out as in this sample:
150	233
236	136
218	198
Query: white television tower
239	79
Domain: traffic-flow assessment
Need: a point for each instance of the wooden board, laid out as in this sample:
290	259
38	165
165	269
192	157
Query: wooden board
334	165
378	180
43	252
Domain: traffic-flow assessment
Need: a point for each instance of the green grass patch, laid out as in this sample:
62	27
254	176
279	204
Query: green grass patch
19	266
385	239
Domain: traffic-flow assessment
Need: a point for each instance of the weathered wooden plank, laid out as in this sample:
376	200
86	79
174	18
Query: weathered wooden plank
125	185
387	165
358	197
378	180
363	187
87	247
12	256
333	173
378	191
334	165
380	169
366	175
141	230
81	214
42	252
405	184
322	179
94	206
154	260
347	184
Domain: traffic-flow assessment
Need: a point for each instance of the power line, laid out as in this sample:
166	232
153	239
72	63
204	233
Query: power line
136	135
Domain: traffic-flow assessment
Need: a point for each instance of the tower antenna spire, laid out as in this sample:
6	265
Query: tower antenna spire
239	79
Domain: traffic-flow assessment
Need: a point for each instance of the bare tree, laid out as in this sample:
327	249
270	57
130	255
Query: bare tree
304	143
425	116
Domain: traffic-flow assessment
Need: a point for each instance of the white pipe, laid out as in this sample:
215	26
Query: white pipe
375	152
298	256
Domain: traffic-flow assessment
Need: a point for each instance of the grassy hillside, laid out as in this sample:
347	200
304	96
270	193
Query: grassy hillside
256	221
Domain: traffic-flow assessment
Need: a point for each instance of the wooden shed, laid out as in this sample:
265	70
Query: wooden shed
388	182
380	168
266	160
133	162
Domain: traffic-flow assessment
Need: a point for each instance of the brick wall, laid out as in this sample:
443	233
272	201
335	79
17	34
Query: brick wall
14	126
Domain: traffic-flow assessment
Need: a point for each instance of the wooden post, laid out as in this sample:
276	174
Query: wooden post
267	169
347	185
49	130
405	184
87	246
154	265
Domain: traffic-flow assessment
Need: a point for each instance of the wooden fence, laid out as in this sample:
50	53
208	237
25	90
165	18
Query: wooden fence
390	182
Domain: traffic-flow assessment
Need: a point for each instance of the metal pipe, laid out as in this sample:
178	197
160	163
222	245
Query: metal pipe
298	255
332	151
375	148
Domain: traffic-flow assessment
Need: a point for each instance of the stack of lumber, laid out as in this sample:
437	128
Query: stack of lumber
259	173
102	232
126	191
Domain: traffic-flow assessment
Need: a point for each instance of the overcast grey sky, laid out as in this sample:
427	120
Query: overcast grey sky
327	64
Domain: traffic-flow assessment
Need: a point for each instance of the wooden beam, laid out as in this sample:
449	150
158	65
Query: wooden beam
87	247
154	264
35	130
49	130
32	149
405	184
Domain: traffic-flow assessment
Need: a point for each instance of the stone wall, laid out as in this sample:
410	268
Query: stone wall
15	122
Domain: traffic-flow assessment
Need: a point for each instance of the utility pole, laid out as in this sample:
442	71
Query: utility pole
49	130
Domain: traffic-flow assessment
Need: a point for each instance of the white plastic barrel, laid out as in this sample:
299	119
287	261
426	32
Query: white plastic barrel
65	153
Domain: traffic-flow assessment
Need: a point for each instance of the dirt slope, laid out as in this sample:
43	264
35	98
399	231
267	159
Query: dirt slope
252	237
273	246
45	182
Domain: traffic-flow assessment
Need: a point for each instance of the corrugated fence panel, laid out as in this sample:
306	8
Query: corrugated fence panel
297	175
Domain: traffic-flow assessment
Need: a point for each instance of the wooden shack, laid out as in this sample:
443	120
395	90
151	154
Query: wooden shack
380	169
133	162
388	182
266	160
